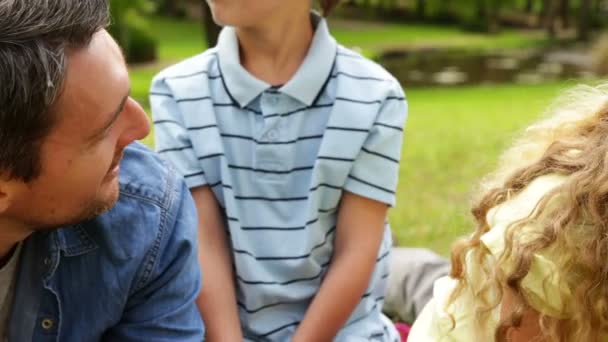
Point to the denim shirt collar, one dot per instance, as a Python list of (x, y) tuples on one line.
[(74, 240), (304, 86)]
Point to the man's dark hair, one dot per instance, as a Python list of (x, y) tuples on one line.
[(35, 38)]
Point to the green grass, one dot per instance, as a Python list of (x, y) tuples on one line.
[(453, 136), (178, 38)]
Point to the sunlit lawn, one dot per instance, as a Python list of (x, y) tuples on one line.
[(453, 135), (453, 138)]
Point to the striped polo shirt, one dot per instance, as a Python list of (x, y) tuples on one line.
[(278, 160)]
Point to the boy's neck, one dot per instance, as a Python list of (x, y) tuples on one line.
[(274, 50)]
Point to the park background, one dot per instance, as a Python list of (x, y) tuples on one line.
[(475, 73)]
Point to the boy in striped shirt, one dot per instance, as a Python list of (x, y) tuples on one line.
[(290, 144)]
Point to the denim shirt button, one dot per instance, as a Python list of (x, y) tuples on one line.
[(47, 324)]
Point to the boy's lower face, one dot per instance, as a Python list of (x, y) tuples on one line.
[(247, 13)]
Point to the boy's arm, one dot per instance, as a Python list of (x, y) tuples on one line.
[(368, 192), (359, 234), (217, 299)]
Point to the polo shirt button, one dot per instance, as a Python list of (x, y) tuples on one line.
[(272, 135), (273, 100)]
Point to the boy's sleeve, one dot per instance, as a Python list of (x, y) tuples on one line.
[(376, 169), (171, 136)]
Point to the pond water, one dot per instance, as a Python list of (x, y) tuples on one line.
[(450, 68)]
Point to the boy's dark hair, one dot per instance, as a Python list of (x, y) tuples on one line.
[(327, 6), (35, 37)]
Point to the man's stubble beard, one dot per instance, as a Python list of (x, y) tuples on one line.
[(99, 206), (91, 210)]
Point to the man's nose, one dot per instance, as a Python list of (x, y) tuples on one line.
[(137, 123)]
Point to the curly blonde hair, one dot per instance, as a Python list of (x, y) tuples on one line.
[(572, 141)]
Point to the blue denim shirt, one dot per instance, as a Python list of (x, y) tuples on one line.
[(130, 274)]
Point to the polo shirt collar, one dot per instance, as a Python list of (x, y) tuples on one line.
[(304, 86)]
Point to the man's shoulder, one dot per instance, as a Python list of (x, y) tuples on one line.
[(150, 202), (144, 175), (141, 249)]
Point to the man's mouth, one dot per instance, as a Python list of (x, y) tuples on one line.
[(115, 167)]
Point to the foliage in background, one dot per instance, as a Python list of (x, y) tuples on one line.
[(130, 28), (490, 15)]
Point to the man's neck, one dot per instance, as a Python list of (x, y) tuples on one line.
[(273, 52), (11, 233), (4, 260)]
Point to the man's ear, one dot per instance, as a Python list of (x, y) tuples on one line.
[(9, 189)]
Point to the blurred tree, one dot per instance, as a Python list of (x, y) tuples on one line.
[(564, 13), (421, 9), (584, 20), (548, 16), (169, 7), (130, 29), (494, 15), (528, 6), (487, 16), (211, 29), (445, 8), (597, 6)]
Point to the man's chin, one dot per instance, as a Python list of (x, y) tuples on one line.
[(104, 201), (101, 204)]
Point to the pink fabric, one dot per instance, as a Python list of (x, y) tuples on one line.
[(404, 330)]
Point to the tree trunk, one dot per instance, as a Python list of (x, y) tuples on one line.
[(564, 13), (494, 16), (584, 20), (211, 29), (549, 14), (481, 13), (597, 7), (528, 6), (171, 7), (421, 9)]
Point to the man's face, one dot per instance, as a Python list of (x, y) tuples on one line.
[(96, 120)]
